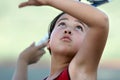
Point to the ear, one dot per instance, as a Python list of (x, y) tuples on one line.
[(48, 44)]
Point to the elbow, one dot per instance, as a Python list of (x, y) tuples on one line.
[(103, 25), (106, 21), (100, 22), (103, 22)]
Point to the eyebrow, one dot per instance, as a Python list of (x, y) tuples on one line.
[(75, 20), (62, 19), (80, 22)]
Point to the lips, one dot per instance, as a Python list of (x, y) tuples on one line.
[(66, 38)]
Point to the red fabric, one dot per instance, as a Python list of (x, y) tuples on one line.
[(64, 75)]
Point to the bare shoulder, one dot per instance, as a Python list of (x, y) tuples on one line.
[(81, 72)]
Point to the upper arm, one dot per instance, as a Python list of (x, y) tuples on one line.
[(93, 44), (89, 54)]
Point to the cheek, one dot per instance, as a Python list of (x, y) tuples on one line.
[(78, 41), (54, 38), (55, 32)]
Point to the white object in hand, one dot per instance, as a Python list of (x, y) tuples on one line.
[(43, 40)]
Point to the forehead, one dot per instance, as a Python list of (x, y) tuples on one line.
[(66, 17), (69, 17)]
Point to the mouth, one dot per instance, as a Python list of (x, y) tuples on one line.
[(66, 39)]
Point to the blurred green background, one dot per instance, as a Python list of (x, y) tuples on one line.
[(20, 27)]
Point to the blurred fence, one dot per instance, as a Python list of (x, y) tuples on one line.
[(40, 73)]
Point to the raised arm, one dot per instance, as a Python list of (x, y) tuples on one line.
[(80, 10), (29, 56)]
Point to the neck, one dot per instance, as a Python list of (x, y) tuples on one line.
[(58, 64)]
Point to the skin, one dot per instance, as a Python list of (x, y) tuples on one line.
[(29, 56), (81, 50), (68, 33)]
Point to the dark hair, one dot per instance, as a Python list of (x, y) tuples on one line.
[(52, 24)]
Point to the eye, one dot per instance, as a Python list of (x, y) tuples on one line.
[(79, 28), (61, 24)]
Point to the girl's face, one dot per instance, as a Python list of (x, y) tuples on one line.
[(67, 36)]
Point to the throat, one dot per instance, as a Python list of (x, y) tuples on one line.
[(58, 64)]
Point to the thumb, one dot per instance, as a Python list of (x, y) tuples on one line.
[(42, 45), (33, 44), (23, 4)]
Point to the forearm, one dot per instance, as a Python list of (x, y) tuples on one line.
[(21, 71), (84, 12), (29, 56)]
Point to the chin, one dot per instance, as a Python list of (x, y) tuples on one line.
[(64, 52)]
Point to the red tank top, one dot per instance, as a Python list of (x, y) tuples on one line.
[(63, 76)]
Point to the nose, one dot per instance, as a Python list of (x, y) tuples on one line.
[(67, 32)]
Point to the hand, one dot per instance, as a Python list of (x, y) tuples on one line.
[(32, 54), (33, 3)]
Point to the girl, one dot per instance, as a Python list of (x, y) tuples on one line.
[(76, 42)]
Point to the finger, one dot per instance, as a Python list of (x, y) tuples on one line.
[(40, 53), (34, 61), (37, 58), (33, 44), (42, 45), (23, 4)]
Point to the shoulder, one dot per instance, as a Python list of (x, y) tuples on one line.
[(83, 72), (64, 75)]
